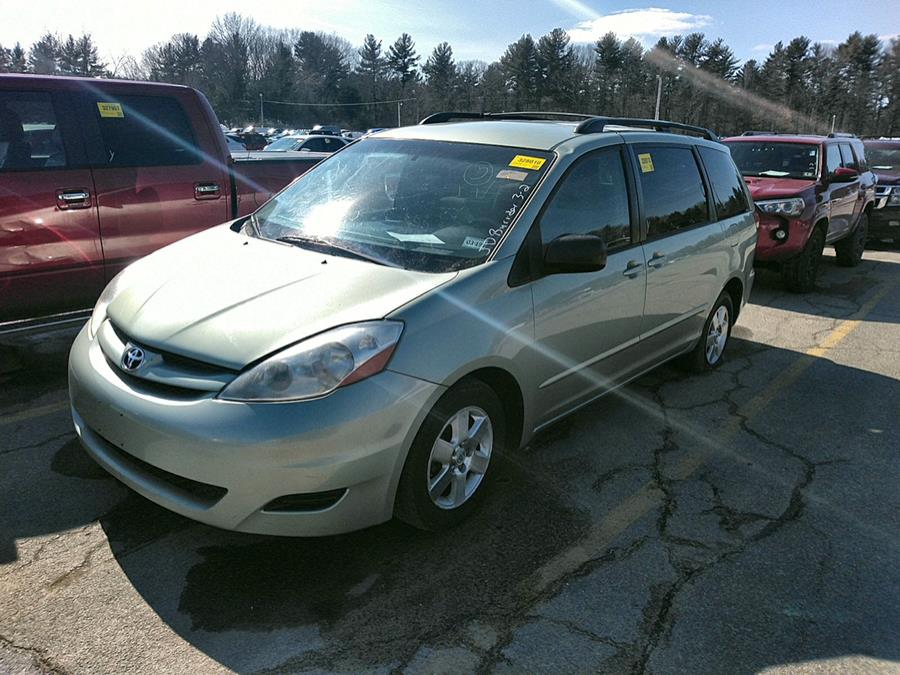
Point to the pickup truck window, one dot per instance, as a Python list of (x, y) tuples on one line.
[(729, 193), (146, 131), (29, 136), (425, 205), (672, 188)]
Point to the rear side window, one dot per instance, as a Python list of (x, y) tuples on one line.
[(832, 158), (727, 184), (30, 137), (145, 131), (673, 190), (592, 198), (847, 157)]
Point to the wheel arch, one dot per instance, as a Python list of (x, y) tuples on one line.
[(509, 391), (735, 290)]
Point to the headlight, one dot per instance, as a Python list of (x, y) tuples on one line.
[(894, 199), (319, 365), (792, 207), (106, 297)]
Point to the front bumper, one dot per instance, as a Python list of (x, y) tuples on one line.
[(884, 223), (221, 462), (770, 249)]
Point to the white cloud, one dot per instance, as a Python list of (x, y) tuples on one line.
[(764, 47), (651, 22), (889, 37)]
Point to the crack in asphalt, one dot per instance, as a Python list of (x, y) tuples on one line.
[(39, 656)]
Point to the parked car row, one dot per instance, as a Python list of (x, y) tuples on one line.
[(884, 158)]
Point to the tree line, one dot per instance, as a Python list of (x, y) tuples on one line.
[(801, 86)]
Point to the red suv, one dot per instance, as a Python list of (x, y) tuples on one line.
[(809, 191)]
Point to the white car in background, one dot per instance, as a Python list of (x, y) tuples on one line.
[(307, 143)]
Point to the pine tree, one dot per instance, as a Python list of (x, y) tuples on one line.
[(402, 60), (519, 65), (440, 72), (555, 63), (372, 64), (43, 58)]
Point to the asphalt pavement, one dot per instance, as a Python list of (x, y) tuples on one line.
[(742, 521)]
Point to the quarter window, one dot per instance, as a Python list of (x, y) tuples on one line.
[(832, 159), (145, 131), (592, 198), (30, 137), (847, 157), (729, 194), (673, 190)]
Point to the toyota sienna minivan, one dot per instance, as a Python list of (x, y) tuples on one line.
[(368, 342)]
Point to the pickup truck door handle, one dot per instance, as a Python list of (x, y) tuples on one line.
[(207, 191), (632, 269), (657, 260), (73, 199)]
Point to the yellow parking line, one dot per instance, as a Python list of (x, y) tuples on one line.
[(646, 498), (31, 413)]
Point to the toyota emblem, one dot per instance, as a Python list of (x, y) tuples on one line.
[(133, 358)]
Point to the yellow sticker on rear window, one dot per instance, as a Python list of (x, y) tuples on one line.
[(110, 109), (526, 162), (646, 162)]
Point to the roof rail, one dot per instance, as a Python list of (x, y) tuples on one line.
[(598, 124), (840, 135), (759, 133), (440, 117)]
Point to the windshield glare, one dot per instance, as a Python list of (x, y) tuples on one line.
[(883, 158), (776, 160), (425, 205)]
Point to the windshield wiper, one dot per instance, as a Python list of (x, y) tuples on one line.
[(330, 246)]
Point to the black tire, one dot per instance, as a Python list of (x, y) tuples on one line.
[(800, 272), (413, 504), (850, 249), (698, 360)]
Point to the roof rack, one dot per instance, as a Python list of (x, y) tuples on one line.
[(440, 117), (840, 135), (598, 124), (589, 124), (759, 133)]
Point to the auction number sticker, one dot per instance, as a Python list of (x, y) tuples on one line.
[(526, 162), (110, 109), (646, 162)]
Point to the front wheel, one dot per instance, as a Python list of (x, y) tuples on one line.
[(850, 249), (707, 355), (452, 459), (800, 272)]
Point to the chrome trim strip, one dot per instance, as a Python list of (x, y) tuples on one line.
[(45, 322)]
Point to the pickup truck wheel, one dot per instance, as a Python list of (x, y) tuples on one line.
[(453, 458), (850, 249), (707, 354), (799, 273)]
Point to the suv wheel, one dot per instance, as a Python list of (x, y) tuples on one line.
[(452, 458), (707, 355), (799, 273), (850, 249)]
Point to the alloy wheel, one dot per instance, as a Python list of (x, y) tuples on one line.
[(459, 457), (717, 335)]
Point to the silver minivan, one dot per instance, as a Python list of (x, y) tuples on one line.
[(368, 342)]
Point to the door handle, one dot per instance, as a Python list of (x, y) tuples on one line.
[(657, 260), (73, 199), (632, 269), (207, 190)]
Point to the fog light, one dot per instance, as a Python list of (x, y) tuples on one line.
[(780, 235)]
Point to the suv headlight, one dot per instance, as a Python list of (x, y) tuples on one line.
[(792, 207), (318, 365), (894, 198), (106, 297)]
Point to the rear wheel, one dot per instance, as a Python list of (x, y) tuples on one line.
[(707, 355), (453, 458), (850, 249), (800, 272)]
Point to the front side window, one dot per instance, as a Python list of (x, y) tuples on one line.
[(424, 205), (729, 194), (592, 198), (145, 131), (30, 137), (776, 159), (672, 188)]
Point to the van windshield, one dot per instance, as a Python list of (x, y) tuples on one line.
[(775, 160), (430, 206)]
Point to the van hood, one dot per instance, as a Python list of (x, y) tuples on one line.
[(764, 187), (227, 299)]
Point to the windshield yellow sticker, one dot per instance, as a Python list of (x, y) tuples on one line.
[(646, 162), (526, 162), (110, 109)]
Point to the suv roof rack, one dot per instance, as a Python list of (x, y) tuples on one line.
[(834, 134), (437, 118), (599, 124), (590, 124)]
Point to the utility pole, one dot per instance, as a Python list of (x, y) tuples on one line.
[(833, 120), (658, 95), (261, 118), (399, 103)]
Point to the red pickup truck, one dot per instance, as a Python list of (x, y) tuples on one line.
[(95, 173)]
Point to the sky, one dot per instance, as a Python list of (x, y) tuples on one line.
[(477, 29)]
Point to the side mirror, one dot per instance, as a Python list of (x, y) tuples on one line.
[(570, 253), (844, 174)]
